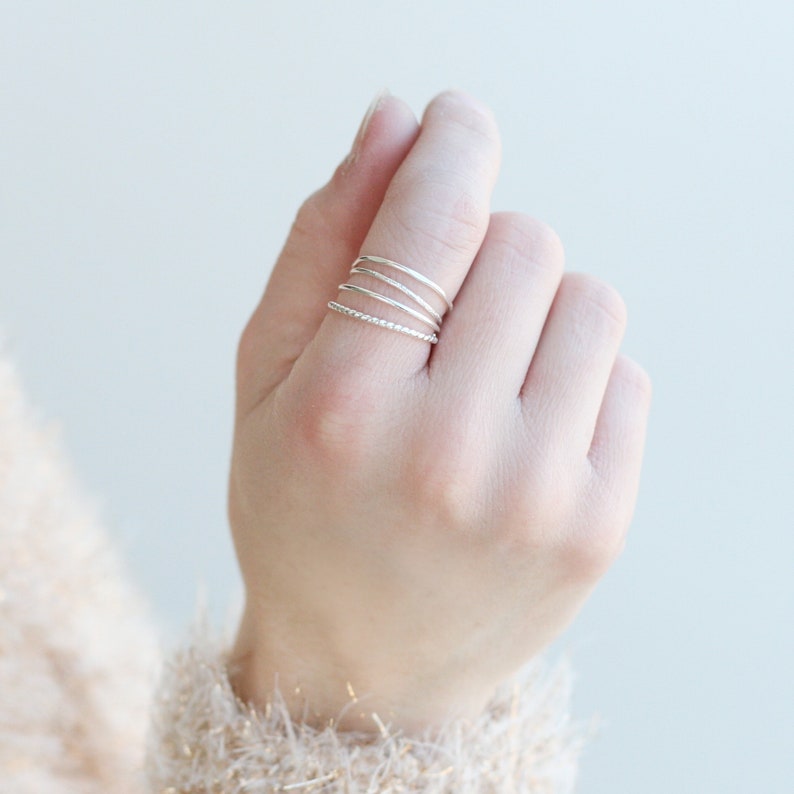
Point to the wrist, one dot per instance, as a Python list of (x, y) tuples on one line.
[(321, 686)]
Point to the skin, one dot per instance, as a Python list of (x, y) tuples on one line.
[(415, 522)]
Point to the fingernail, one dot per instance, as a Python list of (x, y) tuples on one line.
[(362, 130)]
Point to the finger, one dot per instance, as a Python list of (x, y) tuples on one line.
[(326, 235), (568, 375), (619, 438), (500, 310), (433, 220)]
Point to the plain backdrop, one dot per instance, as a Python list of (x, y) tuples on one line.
[(152, 157)]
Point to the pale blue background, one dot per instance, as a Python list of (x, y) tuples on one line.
[(152, 156)]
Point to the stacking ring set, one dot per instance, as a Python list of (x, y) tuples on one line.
[(369, 270)]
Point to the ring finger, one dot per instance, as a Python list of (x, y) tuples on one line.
[(565, 385)]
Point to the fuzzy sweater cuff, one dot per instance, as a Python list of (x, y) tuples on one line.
[(206, 740)]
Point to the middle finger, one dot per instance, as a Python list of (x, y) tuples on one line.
[(433, 219)]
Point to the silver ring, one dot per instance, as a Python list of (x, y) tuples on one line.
[(430, 318), (337, 307), (412, 273), (397, 305), (410, 293)]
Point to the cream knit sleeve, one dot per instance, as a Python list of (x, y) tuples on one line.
[(205, 740), (77, 652)]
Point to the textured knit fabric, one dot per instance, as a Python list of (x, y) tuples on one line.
[(78, 662), (205, 740), (77, 652)]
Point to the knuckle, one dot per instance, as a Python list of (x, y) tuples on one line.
[(451, 222), (633, 377), (445, 490), (332, 417), (550, 496), (587, 554), (524, 240), (546, 488), (581, 532), (463, 221), (248, 348), (324, 216), (596, 301), (311, 219), (446, 486)]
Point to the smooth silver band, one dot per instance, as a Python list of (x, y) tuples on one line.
[(432, 319), (397, 305), (409, 272), (410, 293)]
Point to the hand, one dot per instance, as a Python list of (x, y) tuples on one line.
[(414, 522)]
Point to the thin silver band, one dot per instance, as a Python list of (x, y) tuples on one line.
[(432, 319), (397, 305), (409, 292), (368, 318), (408, 271)]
